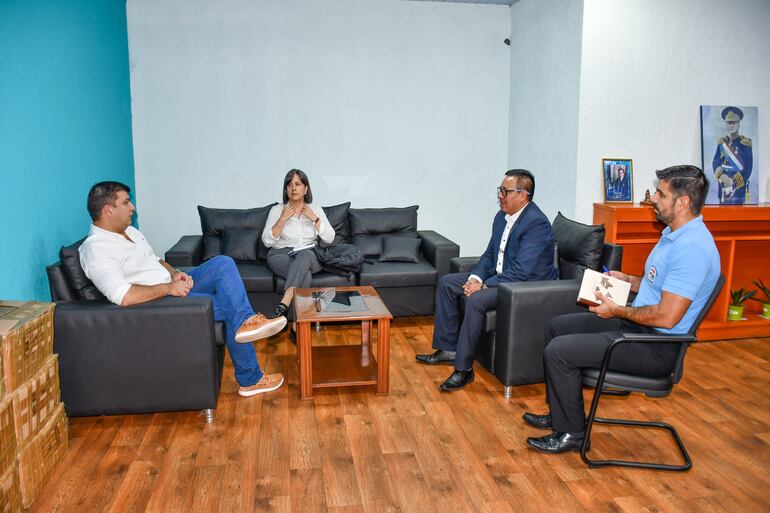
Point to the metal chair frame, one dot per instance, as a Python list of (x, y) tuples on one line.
[(601, 382)]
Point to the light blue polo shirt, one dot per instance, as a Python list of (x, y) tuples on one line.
[(684, 262)]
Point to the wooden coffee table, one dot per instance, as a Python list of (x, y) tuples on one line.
[(348, 365)]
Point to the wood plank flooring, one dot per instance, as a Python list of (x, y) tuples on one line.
[(417, 450)]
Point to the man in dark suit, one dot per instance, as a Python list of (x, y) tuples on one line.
[(520, 249)]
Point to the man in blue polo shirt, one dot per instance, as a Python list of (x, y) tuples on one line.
[(679, 275)]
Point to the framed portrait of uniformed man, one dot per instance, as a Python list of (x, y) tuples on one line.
[(729, 153), (618, 180)]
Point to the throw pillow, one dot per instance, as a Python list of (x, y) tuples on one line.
[(580, 246), (69, 257), (338, 218), (214, 221), (400, 249), (240, 244), (367, 221), (368, 225)]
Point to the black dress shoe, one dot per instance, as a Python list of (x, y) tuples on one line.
[(457, 380), (437, 358), (538, 421), (556, 442)]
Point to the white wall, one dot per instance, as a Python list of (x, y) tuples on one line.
[(385, 103), (545, 88), (647, 66)]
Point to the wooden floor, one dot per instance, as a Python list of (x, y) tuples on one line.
[(418, 450)]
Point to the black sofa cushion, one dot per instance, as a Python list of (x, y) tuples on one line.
[(400, 249), (322, 279), (338, 218), (240, 244), (367, 226), (73, 271), (580, 246), (398, 274), (215, 220), (256, 277)]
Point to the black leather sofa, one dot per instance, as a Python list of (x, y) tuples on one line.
[(513, 339), (402, 263), (164, 355)]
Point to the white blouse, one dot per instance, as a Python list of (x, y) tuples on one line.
[(298, 231)]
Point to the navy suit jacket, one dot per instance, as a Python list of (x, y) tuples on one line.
[(528, 253)]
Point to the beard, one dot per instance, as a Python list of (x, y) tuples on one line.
[(665, 219)]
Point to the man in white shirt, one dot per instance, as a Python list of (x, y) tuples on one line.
[(520, 249), (123, 266)]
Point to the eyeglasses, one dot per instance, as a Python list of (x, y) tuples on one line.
[(504, 191)]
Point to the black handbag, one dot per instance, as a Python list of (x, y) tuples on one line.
[(341, 259)]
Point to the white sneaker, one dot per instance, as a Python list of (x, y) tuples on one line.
[(268, 383), (258, 326)]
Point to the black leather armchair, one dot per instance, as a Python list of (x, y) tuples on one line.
[(164, 355), (513, 339)]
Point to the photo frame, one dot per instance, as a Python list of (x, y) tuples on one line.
[(729, 136), (618, 175)]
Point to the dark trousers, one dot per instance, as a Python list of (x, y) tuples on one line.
[(579, 340), (448, 333), (297, 270)]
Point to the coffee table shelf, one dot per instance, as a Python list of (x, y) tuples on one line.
[(343, 365), (339, 366)]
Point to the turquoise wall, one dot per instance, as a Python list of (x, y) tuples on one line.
[(65, 123)]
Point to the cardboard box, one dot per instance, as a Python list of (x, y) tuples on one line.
[(35, 402), (7, 434), (10, 497), (26, 335), (39, 459)]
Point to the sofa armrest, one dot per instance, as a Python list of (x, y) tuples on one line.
[(156, 356), (188, 251), (523, 309), (438, 250), (462, 264)]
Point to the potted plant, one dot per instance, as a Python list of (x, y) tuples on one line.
[(737, 298), (765, 302)]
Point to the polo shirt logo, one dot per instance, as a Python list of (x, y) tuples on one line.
[(652, 273)]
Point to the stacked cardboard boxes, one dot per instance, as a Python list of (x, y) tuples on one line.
[(33, 426)]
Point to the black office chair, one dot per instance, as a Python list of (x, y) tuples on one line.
[(601, 379)]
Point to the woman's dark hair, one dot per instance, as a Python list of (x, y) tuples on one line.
[(104, 193), (302, 178)]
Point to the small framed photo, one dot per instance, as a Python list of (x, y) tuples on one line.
[(618, 180)]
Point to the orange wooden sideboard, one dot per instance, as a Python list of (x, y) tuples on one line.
[(742, 235)]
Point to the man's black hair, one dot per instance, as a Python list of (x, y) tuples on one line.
[(104, 193), (526, 180), (687, 181)]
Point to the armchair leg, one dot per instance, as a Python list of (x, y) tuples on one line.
[(208, 414), (507, 392), (628, 423)]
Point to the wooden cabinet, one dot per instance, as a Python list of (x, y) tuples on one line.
[(742, 235)]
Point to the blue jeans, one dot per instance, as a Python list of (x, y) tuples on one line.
[(219, 280)]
